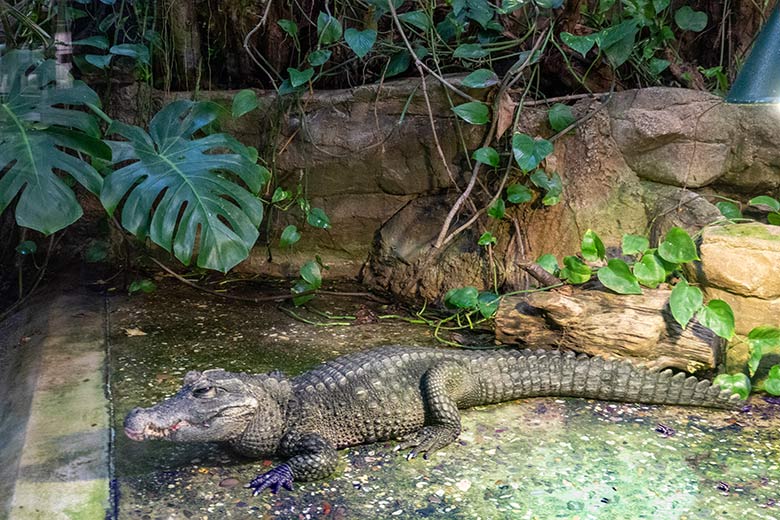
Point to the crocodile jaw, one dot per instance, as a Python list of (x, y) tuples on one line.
[(152, 431)]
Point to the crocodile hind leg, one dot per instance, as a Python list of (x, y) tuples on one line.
[(445, 386)]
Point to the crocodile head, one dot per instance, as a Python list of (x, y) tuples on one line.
[(214, 405)]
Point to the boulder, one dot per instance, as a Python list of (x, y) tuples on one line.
[(677, 137), (404, 262), (739, 265)]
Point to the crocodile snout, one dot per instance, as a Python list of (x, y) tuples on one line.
[(134, 424)]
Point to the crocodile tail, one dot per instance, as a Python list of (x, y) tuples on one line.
[(545, 373)]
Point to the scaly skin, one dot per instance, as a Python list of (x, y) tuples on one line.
[(391, 392)]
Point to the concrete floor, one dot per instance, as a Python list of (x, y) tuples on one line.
[(54, 419)]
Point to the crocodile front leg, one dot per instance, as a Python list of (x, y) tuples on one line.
[(311, 458), (445, 387)]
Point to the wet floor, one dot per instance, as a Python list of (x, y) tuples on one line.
[(534, 459)]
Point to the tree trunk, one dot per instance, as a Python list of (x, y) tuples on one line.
[(638, 327)]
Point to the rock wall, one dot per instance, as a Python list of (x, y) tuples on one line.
[(645, 161)]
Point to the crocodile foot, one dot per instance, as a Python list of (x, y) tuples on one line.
[(427, 440), (278, 476)]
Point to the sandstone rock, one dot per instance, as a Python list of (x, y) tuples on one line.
[(742, 259), (739, 265)]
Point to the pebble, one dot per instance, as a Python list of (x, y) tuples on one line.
[(229, 482), (464, 485)]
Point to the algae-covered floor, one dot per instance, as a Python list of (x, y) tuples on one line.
[(536, 459)]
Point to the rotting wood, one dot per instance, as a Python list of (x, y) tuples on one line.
[(638, 327)]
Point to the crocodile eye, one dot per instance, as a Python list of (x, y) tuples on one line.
[(204, 392)]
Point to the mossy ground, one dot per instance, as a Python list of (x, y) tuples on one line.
[(535, 459)]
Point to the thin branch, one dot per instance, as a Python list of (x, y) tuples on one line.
[(559, 99), (261, 299), (250, 52), (442, 239)]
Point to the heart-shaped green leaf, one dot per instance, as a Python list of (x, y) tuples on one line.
[(634, 244), (728, 209), (762, 340), (318, 218), (461, 298), (417, 19), (497, 210), (581, 44), (718, 317), (472, 51), (552, 185), (300, 77), (765, 200), (689, 20), (289, 27), (518, 193), (772, 382), (315, 59), (101, 61), (290, 235), (560, 116), (473, 112), (486, 155), (398, 64), (99, 42), (529, 152), (487, 304), (132, 50), (280, 194), (361, 42), (482, 78), (736, 384), (678, 247), (684, 302), (592, 247), (549, 263), (311, 274), (244, 102), (650, 271), (617, 276), (328, 29), (618, 41), (575, 271), (486, 239), (145, 285)]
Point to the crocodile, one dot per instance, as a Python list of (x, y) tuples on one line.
[(394, 392)]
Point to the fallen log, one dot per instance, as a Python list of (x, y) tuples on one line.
[(637, 327)]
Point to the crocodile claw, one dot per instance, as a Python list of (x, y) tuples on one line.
[(280, 476), (427, 440)]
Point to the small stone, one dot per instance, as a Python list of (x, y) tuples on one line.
[(464, 485), (228, 482)]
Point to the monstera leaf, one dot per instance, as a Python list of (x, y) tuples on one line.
[(181, 191), (35, 131)]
